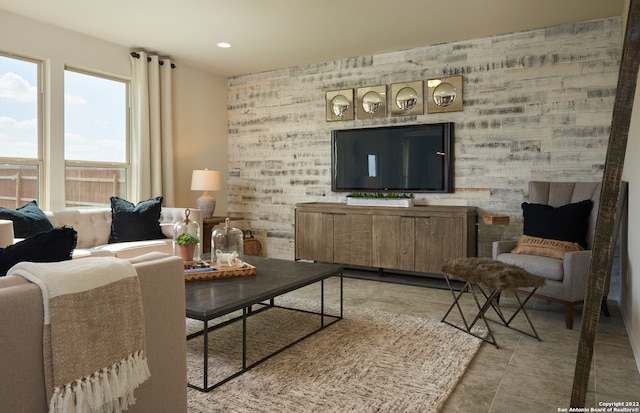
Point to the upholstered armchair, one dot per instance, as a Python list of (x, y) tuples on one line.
[(566, 273)]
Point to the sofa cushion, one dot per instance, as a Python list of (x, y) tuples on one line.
[(547, 267), (133, 248), (50, 246), (566, 223), (544, 247), (28, 220), (131, 222)]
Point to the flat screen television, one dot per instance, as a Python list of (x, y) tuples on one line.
[(411, 158)]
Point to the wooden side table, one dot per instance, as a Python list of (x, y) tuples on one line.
[(491, 228), (207, 228)]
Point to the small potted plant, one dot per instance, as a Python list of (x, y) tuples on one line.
[(187, 245)]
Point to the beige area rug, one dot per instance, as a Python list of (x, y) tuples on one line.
[(370, 361)]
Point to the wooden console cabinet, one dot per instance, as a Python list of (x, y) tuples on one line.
[(416, 239)]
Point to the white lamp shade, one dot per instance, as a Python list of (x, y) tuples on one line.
[(205, 180)]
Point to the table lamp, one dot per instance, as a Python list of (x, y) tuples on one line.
[(205, 180)]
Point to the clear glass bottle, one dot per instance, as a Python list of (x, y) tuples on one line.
[(227, 240), (191, 227)]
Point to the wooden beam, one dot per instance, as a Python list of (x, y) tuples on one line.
[(609, 199)]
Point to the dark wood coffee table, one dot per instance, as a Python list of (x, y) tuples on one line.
[(210, 299)]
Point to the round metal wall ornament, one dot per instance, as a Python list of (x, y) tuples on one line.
[(339, 105), (407, 98), (372, 102), (444, 94)]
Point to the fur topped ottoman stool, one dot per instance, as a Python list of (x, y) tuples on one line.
[(486, 279)]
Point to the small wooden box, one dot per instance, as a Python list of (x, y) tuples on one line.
[(495, 219)]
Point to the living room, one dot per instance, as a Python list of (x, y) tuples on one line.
[(267, 132)]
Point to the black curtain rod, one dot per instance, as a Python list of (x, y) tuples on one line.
[(137, 56)]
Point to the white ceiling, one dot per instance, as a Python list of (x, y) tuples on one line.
[(273, 34)]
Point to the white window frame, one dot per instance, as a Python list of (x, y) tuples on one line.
[(39, 160)]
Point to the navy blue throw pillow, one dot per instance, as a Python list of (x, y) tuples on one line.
[(131, 222), (50, 246), (28, 220), (566, 223)]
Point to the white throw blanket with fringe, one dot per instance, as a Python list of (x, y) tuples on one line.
[(93, 341)]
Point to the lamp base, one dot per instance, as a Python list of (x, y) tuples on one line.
[(207, 204)]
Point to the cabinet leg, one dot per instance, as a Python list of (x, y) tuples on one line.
[(381, 272)]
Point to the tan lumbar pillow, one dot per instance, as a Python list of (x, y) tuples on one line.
[(544, 247)]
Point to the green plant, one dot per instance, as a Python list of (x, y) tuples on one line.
[(186, 239), (389, 195)]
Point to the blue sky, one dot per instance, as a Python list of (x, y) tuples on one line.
[(95, 114)]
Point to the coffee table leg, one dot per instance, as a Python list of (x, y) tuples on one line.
[(341, 292), (322, 304), (205, 342), (244, 338)]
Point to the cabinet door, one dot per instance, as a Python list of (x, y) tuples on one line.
[(438, 240), (352, 239), (393, 242), (314, 233)]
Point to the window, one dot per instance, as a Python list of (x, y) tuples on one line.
[(95, 142), (20, 131), (96, 138)]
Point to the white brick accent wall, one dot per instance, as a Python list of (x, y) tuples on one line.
[(537, 105)]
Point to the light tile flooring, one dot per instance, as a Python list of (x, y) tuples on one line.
[(523, 375)]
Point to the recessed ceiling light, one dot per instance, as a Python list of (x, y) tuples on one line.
[(224, 45)]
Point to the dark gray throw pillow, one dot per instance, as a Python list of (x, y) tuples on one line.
[(28, 220), (131, 222), (566, 223), (50, 246)]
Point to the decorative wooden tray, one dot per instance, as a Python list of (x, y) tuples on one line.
[(221, 272)]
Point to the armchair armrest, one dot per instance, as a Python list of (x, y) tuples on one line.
[(576, 271), (502, 247), (167, 229), (6, 233)]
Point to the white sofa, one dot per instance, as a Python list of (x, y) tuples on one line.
[(93, 226)]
